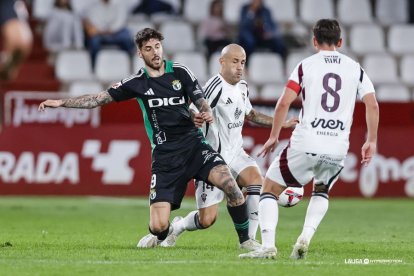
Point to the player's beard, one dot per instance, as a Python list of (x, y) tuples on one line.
[(151, 63)]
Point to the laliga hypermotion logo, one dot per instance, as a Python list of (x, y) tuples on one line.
[(114, 163)]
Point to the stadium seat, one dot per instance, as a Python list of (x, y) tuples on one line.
[(161, 18), (214, 63), (266, 68), (135, 26), (401, 39), (196, 62), (42, 8), (282, 11), (78, 88), (354, 11), (80, 6), (391, 12), (407, 69), (271, 92), (367, 39), (312, 10), (381, 68), (112, 65), (296, 29), (127, 4), (179, 37), (196, 11), (393, 93), (293, 59), (232, 10), (73, 65)]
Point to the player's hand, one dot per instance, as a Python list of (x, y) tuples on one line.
[(197, 119), (50, 103), (291, 122), (269, 146), (207, 117), (367, 152)]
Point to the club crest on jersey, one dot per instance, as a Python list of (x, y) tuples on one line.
[(176, 84), (237, 113), (204, 197)]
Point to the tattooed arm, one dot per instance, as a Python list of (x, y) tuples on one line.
[(205, 110), (266, 121), (259, 118), (85, 101)]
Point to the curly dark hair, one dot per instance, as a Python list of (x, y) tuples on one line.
[(327, 31), (146, 34)]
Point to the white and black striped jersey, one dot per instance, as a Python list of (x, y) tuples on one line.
[(230, 104), (329, 83)]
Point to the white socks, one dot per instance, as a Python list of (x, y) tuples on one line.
[(188, 223), (268, 217), (252, 201), (317, 208)]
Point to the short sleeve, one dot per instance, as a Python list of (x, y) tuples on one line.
[(365, 85), (295, 79), (124, 90), (245, 94), (248, 105)]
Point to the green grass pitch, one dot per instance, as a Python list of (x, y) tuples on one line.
[(97, 236)]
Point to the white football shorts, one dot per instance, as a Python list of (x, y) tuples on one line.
[(294, 168), (208, 195)]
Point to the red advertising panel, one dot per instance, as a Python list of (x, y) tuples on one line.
[(116, 159), (112, 160)]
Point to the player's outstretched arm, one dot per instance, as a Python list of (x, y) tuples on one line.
[(85, 101), (266, 121), (281, 110), (259, 118), (372, 118), (205, 110)]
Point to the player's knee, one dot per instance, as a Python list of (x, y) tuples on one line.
[(272, 187)]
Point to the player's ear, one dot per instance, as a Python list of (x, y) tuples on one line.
[(221, 60), (339, 44), (139, 53)]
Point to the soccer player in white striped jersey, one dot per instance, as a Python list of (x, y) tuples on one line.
[(228, 96), (329, 83)]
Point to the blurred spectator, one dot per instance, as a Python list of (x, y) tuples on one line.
[(150, 7), (105, 24), (258, 30), (16, 37), (411, 11), (63, 28), (213, 30)]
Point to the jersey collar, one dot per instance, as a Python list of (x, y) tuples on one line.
[(168, 65)]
